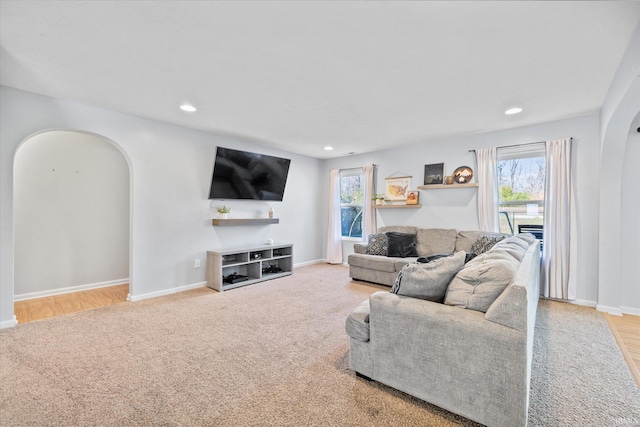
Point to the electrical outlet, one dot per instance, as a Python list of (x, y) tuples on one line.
[(196, 263)]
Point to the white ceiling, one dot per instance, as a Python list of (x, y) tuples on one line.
[(360, 76)]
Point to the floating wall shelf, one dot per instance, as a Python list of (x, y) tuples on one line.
[(397, 206), (244, 221), (447, 187)]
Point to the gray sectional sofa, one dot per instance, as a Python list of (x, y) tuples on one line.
[(469, 353), (429, 241)]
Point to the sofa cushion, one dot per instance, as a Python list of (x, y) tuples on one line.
[(377, 244), (357, 324), (484, 243), (466, 239), (431, 241), (527, 237), (401, 262), (407, 229), (373, 262), (401, 244), (514, 246), (428, 281), (481, 281)]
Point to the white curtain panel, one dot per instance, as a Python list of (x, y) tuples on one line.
[(557, 224), (488, 190), (369, 218), (334, 238)]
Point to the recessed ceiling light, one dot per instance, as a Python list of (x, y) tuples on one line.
[(514, 110), (188, 108), (328, 148)]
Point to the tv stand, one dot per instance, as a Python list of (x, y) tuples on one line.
[(235, 267)]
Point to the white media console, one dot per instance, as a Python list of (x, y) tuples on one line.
[(232, 268)]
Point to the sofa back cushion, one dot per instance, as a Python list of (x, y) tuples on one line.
[(406, 229), (428, 281), (430, 241), (481, 281), (514, 246)]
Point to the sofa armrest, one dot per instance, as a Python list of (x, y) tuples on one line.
[(360, 248)]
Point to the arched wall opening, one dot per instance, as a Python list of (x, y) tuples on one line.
[(72, 204)]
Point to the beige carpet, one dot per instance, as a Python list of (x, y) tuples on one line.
[(271, 354)]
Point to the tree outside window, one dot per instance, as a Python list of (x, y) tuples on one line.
[(352, 191), (521, 183)]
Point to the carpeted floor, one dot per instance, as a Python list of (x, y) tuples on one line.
[(273, 354)]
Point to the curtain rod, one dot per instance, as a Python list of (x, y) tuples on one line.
[(518, 145)]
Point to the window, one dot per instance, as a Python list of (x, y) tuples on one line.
[(352, 193), (521, 182)]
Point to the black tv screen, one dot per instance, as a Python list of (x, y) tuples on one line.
[(243, 175)]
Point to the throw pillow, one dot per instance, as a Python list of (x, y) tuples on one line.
[(481, 281), (428, 281), (484, 243), (401, 245), (377, 244)]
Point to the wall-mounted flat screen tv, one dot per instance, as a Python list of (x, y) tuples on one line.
[(243, 175)]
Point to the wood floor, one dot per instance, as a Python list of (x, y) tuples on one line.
[(626, 329), (57, 305)]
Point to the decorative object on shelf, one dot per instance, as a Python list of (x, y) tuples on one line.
[(412, 197), (270, 212), (397, 187), (463, 175), (378, 198), (434, 174), (223, 211), (448, 180)]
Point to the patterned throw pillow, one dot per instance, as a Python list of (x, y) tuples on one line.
[(484, 243), (377, 244)]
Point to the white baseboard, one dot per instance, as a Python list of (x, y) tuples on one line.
[(68, 290), (583, 302), (9, 323), (616, 311), (303, 264), (630, 310), (164, 292)]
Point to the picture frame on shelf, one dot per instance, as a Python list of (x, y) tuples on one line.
[(396, 188), (434, 174), (413, 197)]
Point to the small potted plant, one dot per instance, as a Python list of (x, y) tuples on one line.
[(223, 211), (378, 198)]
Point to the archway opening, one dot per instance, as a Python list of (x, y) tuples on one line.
[(71, 224)]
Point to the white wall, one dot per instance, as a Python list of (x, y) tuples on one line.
[(71, 210), (630, 251), (621, 106), (171, 174), (457, 208)]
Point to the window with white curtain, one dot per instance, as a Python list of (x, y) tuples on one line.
[(352, 193), (521, 184)]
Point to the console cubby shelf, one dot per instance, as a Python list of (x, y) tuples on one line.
[(447, 187), (244, 221), (257, 263)]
